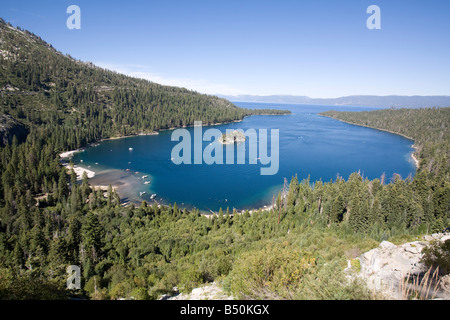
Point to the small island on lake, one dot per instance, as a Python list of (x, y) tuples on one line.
[(233, 137)]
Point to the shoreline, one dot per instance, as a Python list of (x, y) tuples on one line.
[(69, 154), (154, 133), (243, 211), (413, 156), (366, 126), (79, 170), (120, 181)]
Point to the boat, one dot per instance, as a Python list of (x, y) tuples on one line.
[(142, 193), (147, 182), (144, 177), (131, 149), (153, 196)]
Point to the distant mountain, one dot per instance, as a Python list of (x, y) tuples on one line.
[(366, 101)]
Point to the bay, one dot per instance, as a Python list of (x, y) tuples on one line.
[(310, 146)]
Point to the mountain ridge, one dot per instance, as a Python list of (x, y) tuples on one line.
[(396, 101), (79, 103)]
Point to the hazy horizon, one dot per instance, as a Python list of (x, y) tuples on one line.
[(320, 49)]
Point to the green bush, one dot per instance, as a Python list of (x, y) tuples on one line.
[(24, 287), (270, 273), (437, 255), (190, 278), (286, 273), (140, 294)]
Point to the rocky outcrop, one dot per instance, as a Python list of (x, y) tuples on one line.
[(10, 127), (233, 137), (208, 292), (385, 268)]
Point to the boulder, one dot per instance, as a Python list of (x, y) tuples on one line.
[(387, 245), (385, 267)]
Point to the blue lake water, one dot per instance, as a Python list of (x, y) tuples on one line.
[(310, 145)]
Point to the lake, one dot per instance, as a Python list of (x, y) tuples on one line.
[(309, 145)]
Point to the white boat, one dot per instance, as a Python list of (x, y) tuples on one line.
[(147, 182), (153, 196), (144, 177), (142, 193), (131, 149)]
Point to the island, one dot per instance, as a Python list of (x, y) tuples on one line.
[(233, 137)]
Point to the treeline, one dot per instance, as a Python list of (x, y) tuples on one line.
[(145, 252)]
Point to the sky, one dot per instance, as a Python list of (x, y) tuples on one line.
[(315, 48)]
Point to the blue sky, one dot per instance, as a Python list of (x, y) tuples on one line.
[(319, 48)]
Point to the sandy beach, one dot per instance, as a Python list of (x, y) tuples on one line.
[(80, 171), (126, 184), (69, 154), (122, 182), (65, 156), (413, 156)]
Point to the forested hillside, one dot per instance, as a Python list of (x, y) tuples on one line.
[(73, 103), (49, 221)]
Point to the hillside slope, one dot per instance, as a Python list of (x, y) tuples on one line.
[(77, 102)]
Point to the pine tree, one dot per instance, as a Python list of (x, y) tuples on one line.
[(85, 188), (93, 235), (63, 189), (74, 239), (337, 209), (293, 191)]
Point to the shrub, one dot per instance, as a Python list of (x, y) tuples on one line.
[(437, 255), (24, 287), (270, 273), (286, 273)]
